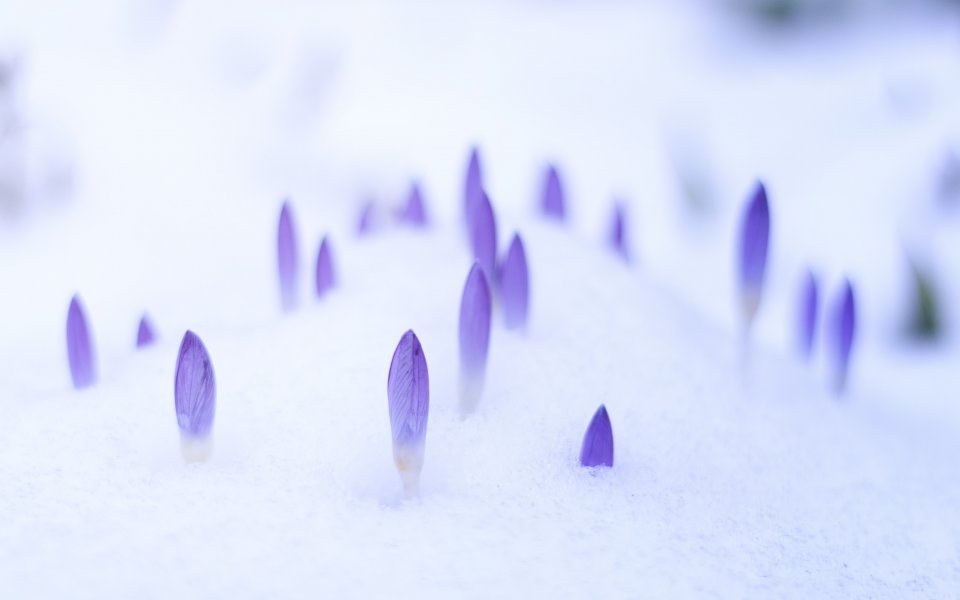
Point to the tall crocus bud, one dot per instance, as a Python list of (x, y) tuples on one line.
[(145, 334), (408, 400), (843, 329), (483, 236), (514, 285), (414, 212), (553, 204), (287, 259), (474, 338), (807, 318), (473, 184), (80, 353), (618, 234), (754, 234), (195, 398), (326, 277), (597, 448)]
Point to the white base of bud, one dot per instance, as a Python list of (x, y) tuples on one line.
[(471, 388), (195, 449), (409, 461)]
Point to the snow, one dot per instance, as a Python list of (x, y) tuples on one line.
[(187, 126)]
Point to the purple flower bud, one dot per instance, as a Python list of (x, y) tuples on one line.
[(597, 449), (514, 285), (365, 224), (195, 396), (145, 334), (326, 277), (408, 401), (473, 186), (618, 236), (474, 338), (808, 315), (80, 353), (287, 259), (843, 329), (414, 212), (483, 236), (754, 234), (553, 204)]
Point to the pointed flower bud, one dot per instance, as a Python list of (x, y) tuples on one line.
[(367, 216), (754, 235), (473, 184), (408, 401), (597, 449), (808, 315), (843, 330), (145, 334), (553, 203), (80, 352), (483, 236), (514, 285), (326, 277), (414, 212), (618, 234), (475, 310), (287, 259), (195, 397)]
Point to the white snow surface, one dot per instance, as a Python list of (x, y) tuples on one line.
[(188, 123)]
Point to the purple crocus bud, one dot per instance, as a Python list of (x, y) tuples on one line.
[(474, 338), (408, 400), (754, 234), (414, 213), (808, 315), (287, 259), (618, 234), (553, 204), (483, 236), (597, 449), (195, 397), (514, 285), (80, 353), (365, 224), (326, 277), (473, 186), (145, 334), (843, 329)]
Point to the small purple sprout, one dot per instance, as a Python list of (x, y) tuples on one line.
[(287, 263), (145, 335), (808, 315), (754, 235), (80, 353), (367, 215), (195, 397), (483, 236), (408, 401), (597, 449), (514, 285), (618, 234), (844, 327), (326, 276), (553, 204), (414, 212), (475, 310), (473, 186)]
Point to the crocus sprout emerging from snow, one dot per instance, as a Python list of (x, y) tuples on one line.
[(414, 212), (287, 259), (195, 397), (618, 234), (474, 338), (80, 353), (326, 277), (514, 285), (365, 224), (807, 320), (408, 400), (473, 185), (145, 334), (483, 236), (843, 329), (553, 204), (597, 449), (754, 234)]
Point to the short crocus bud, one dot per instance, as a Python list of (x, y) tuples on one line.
[(754, 235), (597, 448), (473, 185), (843, 328), (326, 276), (483, 236), (80, 352), (408, 401), (618, 234), (553, 204), (367, 215), (195, 398), (145, 334), (514, 285), (414, 212), (475, 310), (807, 318), (287, 263)]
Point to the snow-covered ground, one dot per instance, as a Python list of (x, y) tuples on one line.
[(186, 124)]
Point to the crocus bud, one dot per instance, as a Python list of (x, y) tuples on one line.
[(553, 204), (843, 328), (195, 398), (483, 236), (597, 449), (367, 215), (80, 352), (474, 338), (473, 185), (326, 277), (287, 259), (618, 234), (414, 212), (145, 334), (514, 285), (408, 401), (807, 317), (754, 234)]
